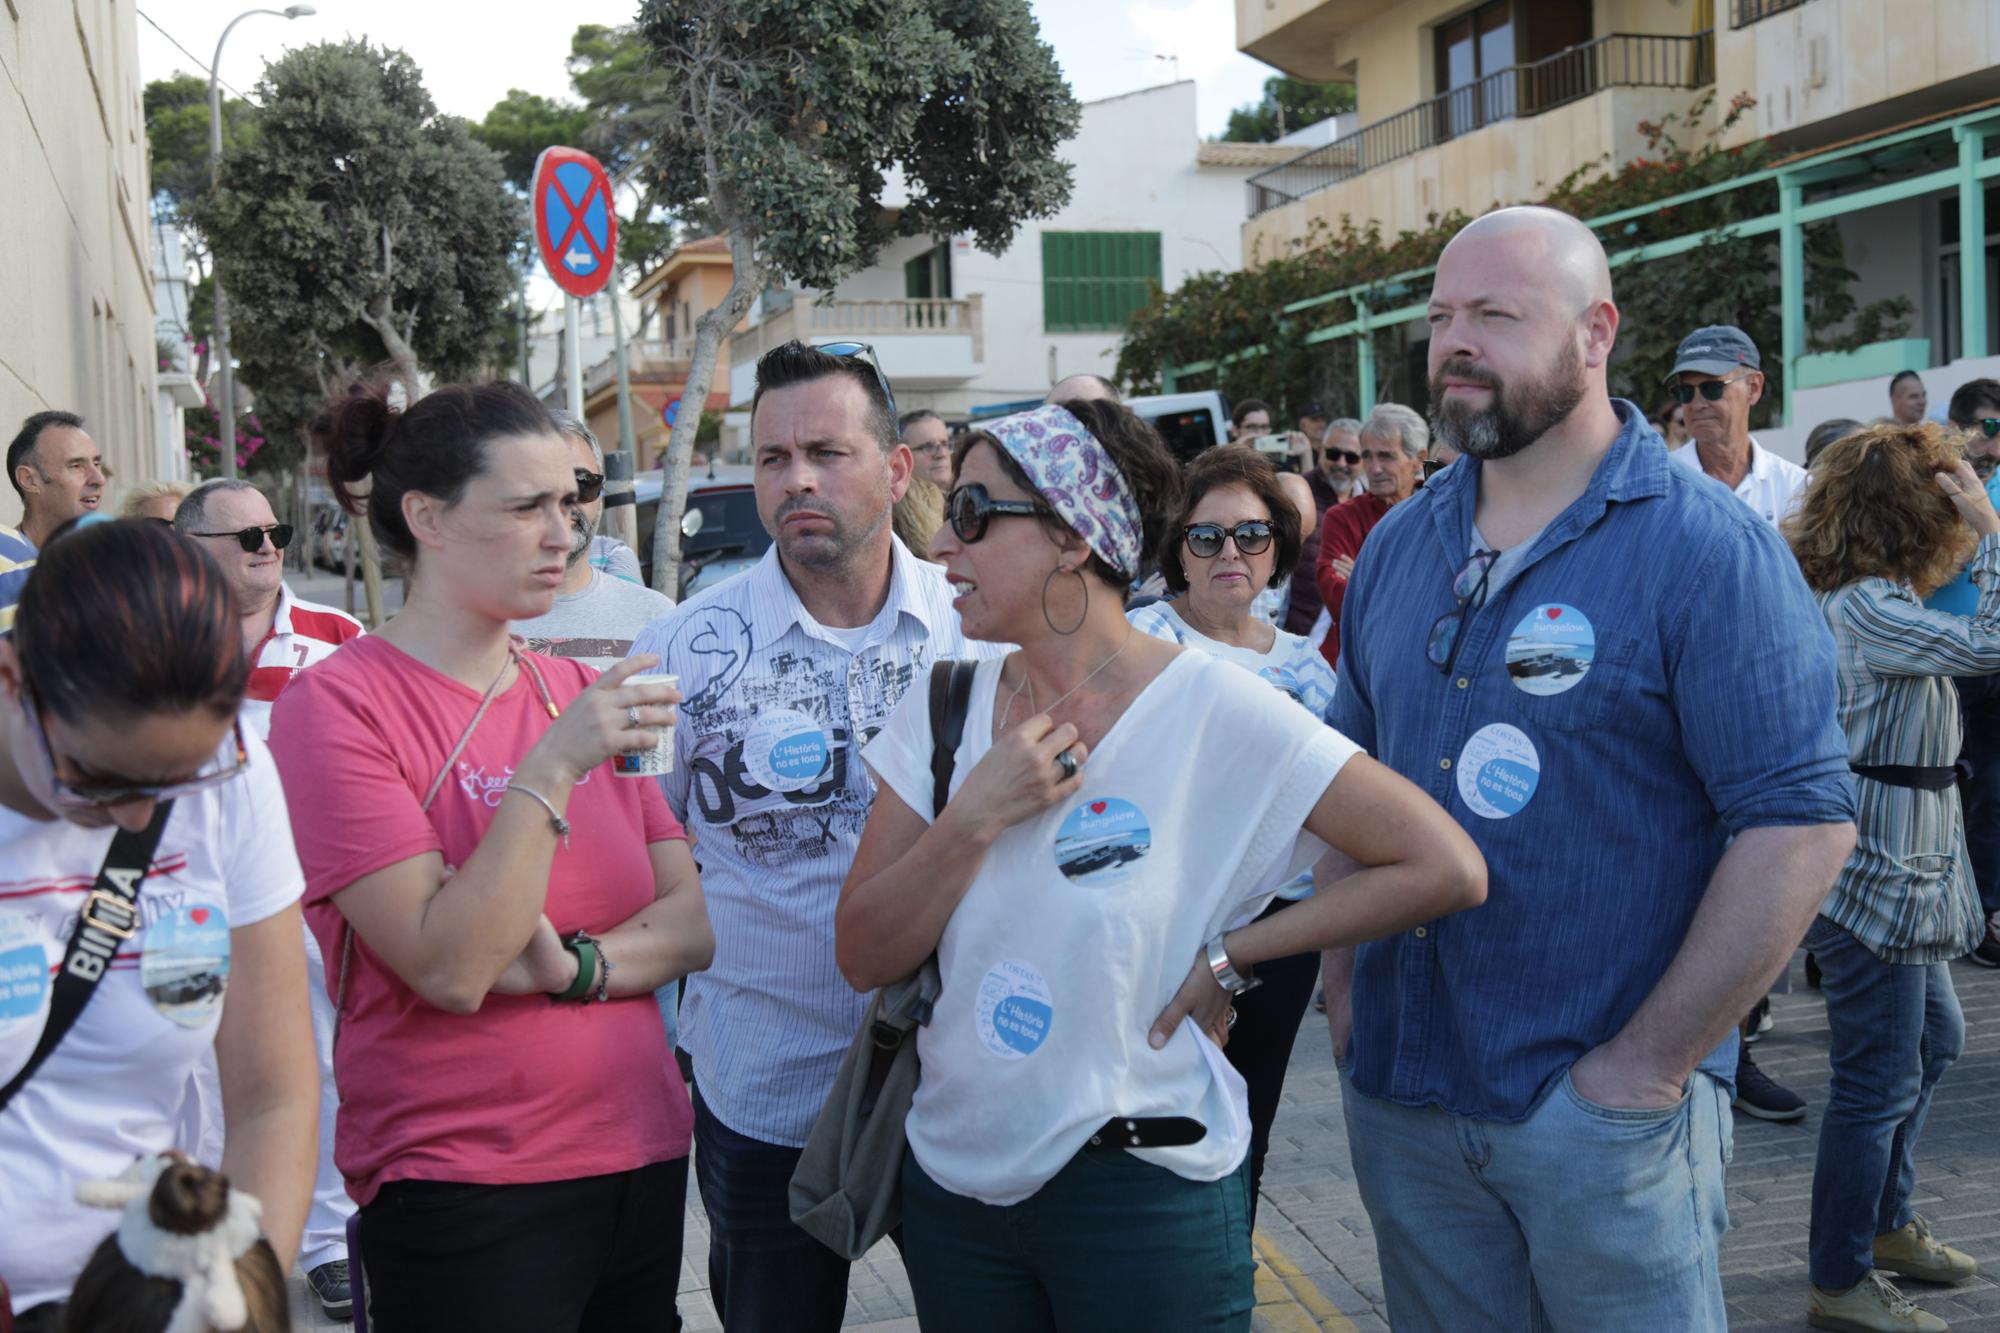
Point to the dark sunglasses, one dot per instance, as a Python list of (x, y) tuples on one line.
[(1991, 425), (90, 795), (589, 485), (968, 508), (865, 354), (1205, 539), (1432, 467), (1347, 456), (1469, 587), (252, 539), (1709, 389)]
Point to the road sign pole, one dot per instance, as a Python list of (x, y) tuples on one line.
[(573, 354)]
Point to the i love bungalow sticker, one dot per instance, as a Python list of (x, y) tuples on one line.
[(1551, 649)]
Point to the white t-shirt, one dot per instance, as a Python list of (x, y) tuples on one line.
[(1082, 923), (1772, 487), (112, 1090)]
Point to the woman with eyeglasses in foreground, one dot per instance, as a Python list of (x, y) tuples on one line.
[(1236, 534), (149, 874), (1118, 808), (495, 905), (1888, 516)]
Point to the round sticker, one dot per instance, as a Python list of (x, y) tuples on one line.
[(185, 967), (1014, 1010), (24, 976), (1498, 771), (1550, 649), (1099, 838), (786, 750)]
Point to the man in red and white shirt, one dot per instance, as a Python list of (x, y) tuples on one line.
[(233, 522)]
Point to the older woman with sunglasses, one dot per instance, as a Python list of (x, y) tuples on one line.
[(1889, 514), (1119, 809), (1236, 534), (149, 875)]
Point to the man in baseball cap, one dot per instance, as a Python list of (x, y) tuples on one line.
[(1719, 376)]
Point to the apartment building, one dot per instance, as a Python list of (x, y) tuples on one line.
[(75, 231)]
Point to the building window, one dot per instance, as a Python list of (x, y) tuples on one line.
[(928, 276), (1743, 13), (1094, 280)]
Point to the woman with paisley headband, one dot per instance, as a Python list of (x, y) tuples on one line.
[(1120, 812)]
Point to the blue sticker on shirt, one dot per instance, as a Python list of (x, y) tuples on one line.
[(1100, 838), (185, 966), (786, 751), (24, 983), (1498, 771), (1551, 649), (1014, 1010)]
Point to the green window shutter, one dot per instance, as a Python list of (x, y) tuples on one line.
[(1094, 280), (917, 278)]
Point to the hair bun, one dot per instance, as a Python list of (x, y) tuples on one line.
[(189, 1199), (354, 433)]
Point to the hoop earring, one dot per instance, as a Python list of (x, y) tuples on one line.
[(1083, 582)]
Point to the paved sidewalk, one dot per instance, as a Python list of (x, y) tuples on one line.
[(1317, 1269)]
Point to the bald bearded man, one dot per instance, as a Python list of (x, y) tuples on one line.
[(1569, 642)]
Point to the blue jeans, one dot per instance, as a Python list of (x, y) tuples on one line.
[(1979, 698), (1578, 1217), (764, 1273), (1896, 1028), (1110, 1245)]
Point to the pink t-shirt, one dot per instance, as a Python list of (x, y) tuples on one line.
[(526, 1089)]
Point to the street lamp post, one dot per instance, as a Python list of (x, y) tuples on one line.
[(226, 408)]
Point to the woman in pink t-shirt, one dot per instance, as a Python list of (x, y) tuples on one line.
[(495, 906)]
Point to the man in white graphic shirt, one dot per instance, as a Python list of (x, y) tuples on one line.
[(283, 635), (788, 670)]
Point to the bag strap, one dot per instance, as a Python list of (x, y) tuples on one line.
[(109, 917), (951, 701)]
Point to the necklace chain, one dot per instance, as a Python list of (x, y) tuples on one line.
[(1029, 685)]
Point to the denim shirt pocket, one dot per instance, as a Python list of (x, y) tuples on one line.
[(1590, 702)]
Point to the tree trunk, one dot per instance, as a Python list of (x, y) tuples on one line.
[(747, 280), (371, 570)]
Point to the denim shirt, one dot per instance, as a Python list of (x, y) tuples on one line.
[(1654, 680)]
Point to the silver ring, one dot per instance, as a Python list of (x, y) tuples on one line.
[(632, 716), (1067, 763)]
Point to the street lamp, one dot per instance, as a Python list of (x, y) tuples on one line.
[(226, 409)]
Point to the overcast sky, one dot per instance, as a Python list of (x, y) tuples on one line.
[(473, 51)]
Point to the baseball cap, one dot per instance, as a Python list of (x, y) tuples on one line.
[(1716, 350)]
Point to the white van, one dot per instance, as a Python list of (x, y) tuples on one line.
[(1188, 422)]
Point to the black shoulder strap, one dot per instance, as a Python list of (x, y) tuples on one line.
[(109, 917), (951, 700)]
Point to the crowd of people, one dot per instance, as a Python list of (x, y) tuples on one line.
[(1536, 753)]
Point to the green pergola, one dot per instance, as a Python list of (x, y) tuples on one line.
[(1386, 301)]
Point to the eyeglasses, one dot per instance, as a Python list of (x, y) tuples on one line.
[(865, 354), (1432, 467), (1205, 539), (969, 507), (1469, 587), (589, 485), (1347, 456), (1991, 425), (94, 795), (936, 449), (252, 539), (1709, 389)]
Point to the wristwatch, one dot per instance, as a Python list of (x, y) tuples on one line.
[(1226, 975)]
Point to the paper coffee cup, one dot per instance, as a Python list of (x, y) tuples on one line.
[(659, 759)]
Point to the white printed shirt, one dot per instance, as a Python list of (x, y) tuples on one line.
[(1772, 487), (302, 633), (769, 782)]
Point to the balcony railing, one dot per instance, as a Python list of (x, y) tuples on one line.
[(1743, 13), (642, 356), (809, 320), (1617, 60)]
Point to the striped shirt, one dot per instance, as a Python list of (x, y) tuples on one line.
[(17, 558), (1907, 892), (302, 633), (769, 782)]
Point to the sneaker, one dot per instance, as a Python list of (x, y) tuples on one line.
[(1759, 1095), (1988, 952), (1759, 1022), (330, 1288), (1872, 1305), (1915, 1252)]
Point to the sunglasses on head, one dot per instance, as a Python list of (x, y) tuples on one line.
[(1709, 389), (1252, 537), (589, 485), (969, 508), (252, 539), (865, 354)]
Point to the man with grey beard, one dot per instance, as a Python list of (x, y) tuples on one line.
[(1566, 640), (595, 616)]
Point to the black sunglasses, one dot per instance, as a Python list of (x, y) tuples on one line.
[(969, 507), (252, 539), (1432, 467), (1347, 456), (589, 485), (1709, 389), (865, 354), (1252, 537), (1469, 587)]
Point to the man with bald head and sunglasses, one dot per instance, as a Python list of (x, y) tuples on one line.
[(1718, 375)]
